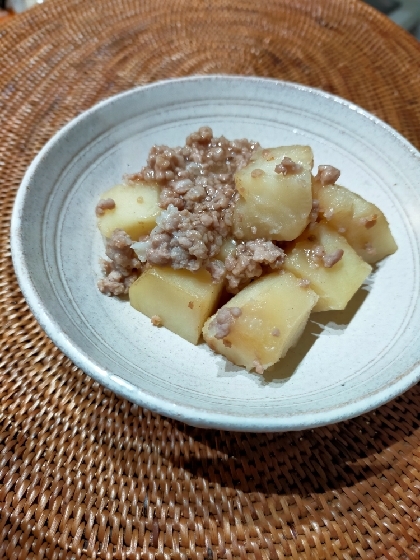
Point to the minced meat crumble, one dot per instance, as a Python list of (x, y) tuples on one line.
[(197, 198), (249, 261), (103, 205), (123, 266), (224, 320), (288, 167)]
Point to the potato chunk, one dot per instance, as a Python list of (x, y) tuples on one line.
[(261, 322), (135, 212), (361, 222), (276, 196), (180, 300), (325, 259)]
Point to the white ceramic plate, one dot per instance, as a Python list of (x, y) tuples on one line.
[(346, 363)]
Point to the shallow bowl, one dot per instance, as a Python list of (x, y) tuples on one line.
[(345, 364)]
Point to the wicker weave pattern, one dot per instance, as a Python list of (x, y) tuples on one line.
[(84, 474)]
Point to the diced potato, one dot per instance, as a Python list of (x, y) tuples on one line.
[(273, 205), (135, 212), (182, 300), (274, 312), (336, 285), (361, 222)]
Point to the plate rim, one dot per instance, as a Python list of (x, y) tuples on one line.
[(133, 393)]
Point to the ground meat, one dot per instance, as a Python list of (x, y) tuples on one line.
[(181, 239), (103, 205), (156, 320), (320, 258), (122, 268), (288, 167), (112, 284), (333, 258), (248, 261), (258, 367), (217, 270), (198, 194), (313, 216), (327, 175), (223, 320)]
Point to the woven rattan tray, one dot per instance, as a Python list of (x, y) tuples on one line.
[(85, 474)]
